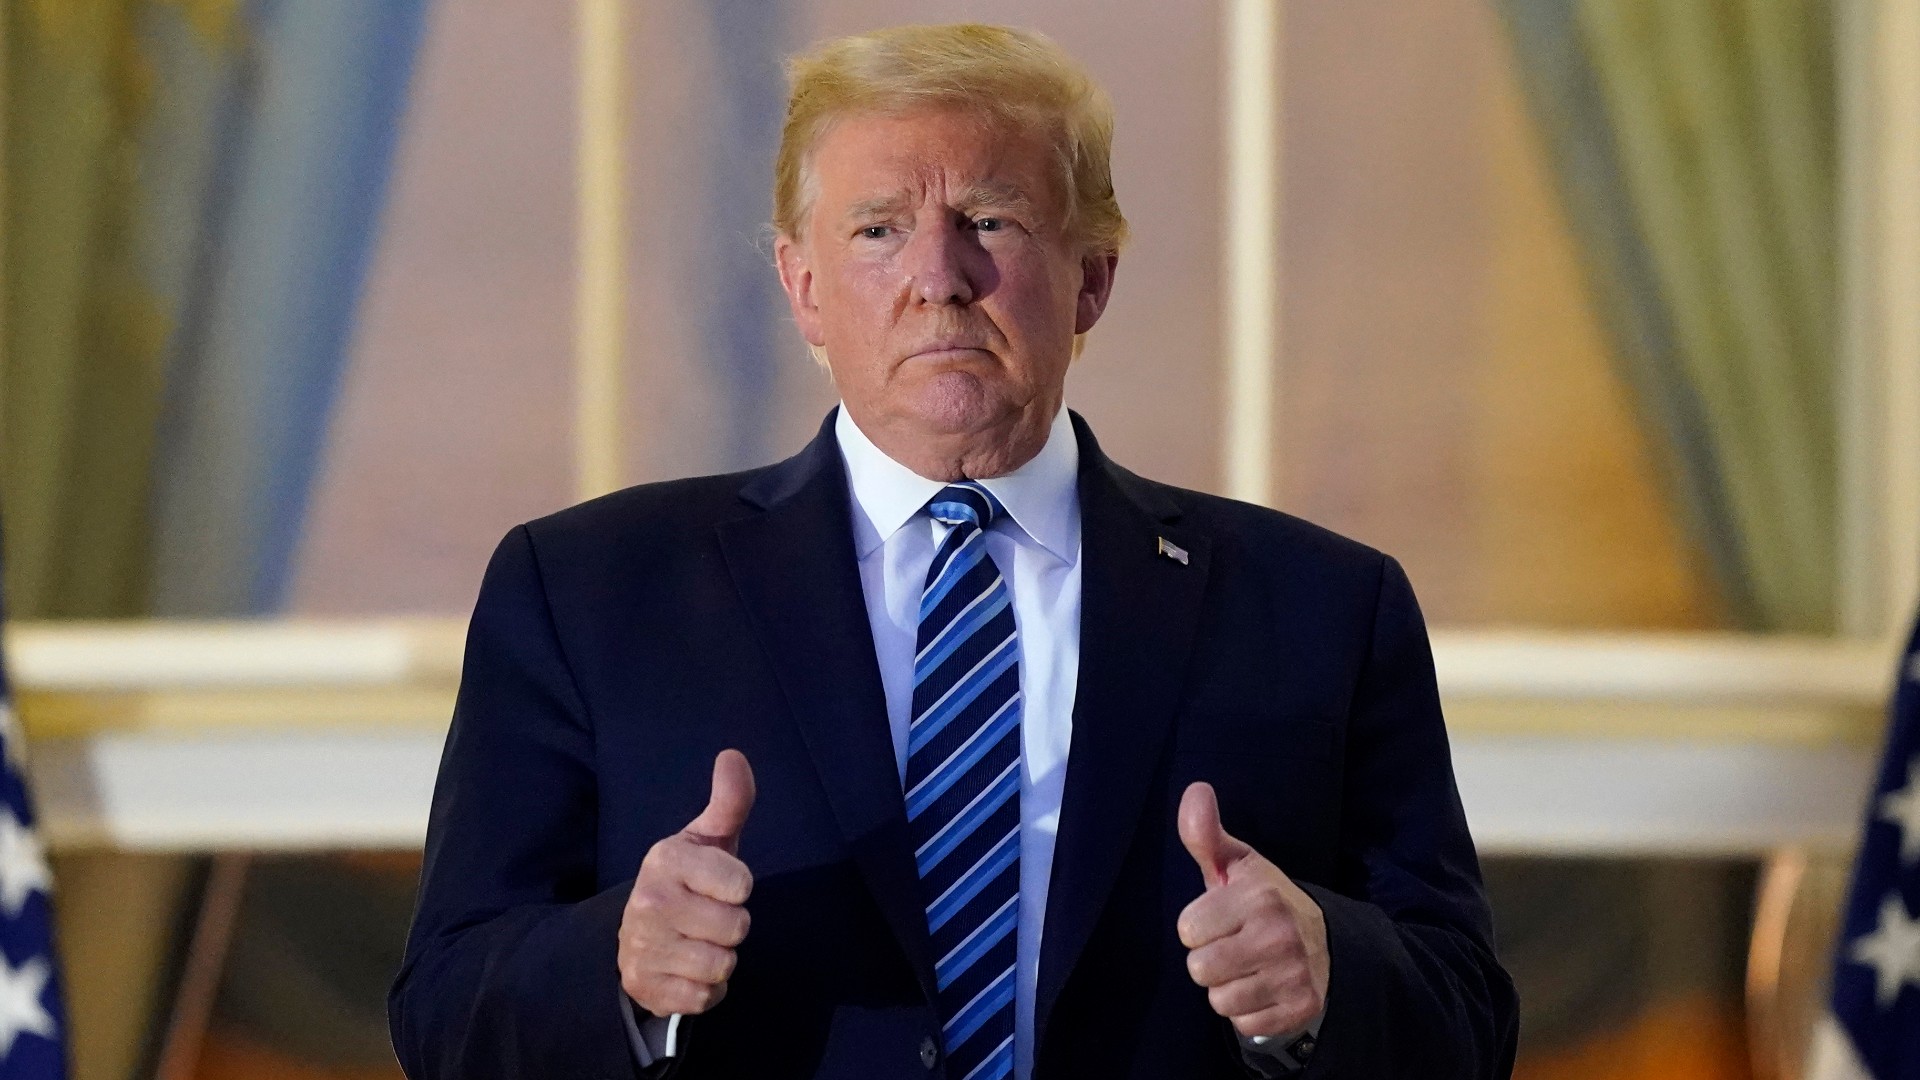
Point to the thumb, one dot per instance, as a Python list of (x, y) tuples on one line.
[(720, 823), (1205, 839)]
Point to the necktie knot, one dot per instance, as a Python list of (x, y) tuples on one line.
[(965, 503)]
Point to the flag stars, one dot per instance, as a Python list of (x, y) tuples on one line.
[(1893, 951), (1902, 809), (23, 864), (22, 1012)]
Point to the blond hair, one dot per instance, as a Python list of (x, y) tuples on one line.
[(1018, 78)]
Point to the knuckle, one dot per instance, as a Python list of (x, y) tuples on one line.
[(689, 998), (735, 931), (1278, 940), (1197, 968), (657, 857), (1287, 925), (657, 997), (1221, 999), (702, 963)]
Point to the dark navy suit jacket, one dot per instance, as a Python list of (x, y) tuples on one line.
[(616, 647)]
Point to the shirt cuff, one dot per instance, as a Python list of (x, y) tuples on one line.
[(653, 1038), (1282, 1055)]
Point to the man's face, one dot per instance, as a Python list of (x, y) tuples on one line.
[(937, 273)]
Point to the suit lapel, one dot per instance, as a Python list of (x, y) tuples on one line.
[(1139, 608), (797, 575)]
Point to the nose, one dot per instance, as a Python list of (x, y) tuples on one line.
[(937, 262)]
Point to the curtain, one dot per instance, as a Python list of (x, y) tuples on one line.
[(1694, 144), (192, 188), (84, 325)]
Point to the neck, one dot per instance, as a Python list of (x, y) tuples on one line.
[(972, 455)]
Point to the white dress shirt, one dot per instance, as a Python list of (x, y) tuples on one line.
[(1036, 545)]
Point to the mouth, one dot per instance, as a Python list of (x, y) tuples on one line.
[(948, 353)]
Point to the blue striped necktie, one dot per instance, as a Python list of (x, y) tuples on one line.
[(963, 784)]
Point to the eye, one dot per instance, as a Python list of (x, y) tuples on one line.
[(875, 232), (990, 224)]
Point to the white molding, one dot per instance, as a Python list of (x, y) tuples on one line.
[(1550, 796), (371, 790), (1669, 668), (59, 657), (271, 791), (249, 736), (162, 655), (1250, 243)]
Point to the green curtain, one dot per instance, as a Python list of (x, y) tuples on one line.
[(1694, 142), (83, 334)]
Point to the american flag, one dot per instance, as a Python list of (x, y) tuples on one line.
[(1876, 978), (32, 1029)]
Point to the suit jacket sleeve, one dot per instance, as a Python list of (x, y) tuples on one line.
[(1415, 989), (510, 967)]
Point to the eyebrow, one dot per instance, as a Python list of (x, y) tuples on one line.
[(1005, 195), (878, 206), (1001, 195)]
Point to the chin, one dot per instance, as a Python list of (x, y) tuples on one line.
[(957, 402)]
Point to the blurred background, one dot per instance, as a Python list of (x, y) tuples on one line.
[(1598, 314)]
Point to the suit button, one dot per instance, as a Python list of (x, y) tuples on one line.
[(929, 1053)]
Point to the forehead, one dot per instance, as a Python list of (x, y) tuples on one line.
[(875, 154)]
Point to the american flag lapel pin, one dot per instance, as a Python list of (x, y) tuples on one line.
[(1173, 551)]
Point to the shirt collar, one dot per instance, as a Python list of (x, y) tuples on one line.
[(1041, 496)]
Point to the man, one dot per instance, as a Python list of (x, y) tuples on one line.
[(946, 747)]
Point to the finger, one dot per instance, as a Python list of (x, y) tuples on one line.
[(1221, 962), (697, 961), (1211, 917), (1205, 839), (702, 919), (664, 995), (707, 871), (1282, 1019), (729, 803), (1243, 997)]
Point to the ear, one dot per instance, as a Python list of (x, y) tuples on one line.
[(1096, 285), (796, 277)]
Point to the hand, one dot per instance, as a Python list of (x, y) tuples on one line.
[(1256, 942), (686, 914)]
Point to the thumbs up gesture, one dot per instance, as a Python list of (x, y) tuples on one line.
[(686, 912), (1256, 942)]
